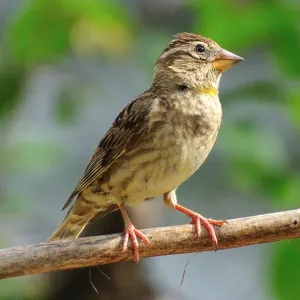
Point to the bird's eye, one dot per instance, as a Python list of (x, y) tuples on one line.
[(200, 48)]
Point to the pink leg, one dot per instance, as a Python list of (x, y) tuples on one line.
[(197, 219), (133, 233)]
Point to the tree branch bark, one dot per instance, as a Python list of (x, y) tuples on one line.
[(100, 250)]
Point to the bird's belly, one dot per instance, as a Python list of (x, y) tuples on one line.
[(155, 172)]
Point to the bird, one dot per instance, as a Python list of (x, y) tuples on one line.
[(156, 142)]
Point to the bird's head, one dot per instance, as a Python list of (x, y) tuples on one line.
[(194, 62)]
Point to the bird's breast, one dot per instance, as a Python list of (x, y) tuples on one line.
[(195, 125), (167, 156)]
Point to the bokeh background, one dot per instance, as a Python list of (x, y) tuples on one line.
[(66, 69)]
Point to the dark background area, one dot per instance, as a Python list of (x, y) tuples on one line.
[(67, 67)]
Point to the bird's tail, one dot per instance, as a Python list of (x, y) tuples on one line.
[(80, 214)]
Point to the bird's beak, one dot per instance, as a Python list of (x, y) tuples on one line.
[(226, 60)]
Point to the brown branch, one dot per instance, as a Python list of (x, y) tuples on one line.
[(92, 251)]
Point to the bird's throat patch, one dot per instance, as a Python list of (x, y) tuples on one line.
[(210, 91)]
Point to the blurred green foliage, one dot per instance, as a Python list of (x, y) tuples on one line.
[(45, 31), (11, 80), (284, 270)]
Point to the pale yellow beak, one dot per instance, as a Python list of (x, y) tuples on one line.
[(226, 60)]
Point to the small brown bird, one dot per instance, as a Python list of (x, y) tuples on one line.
[(157, 141)]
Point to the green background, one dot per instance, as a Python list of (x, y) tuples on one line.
[(68, 66)]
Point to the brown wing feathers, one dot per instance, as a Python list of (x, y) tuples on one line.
[(124, 135)]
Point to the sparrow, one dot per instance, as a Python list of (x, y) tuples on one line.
[(156, 142)]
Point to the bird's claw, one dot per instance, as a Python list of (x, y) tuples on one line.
[(197, 220), (133, 233)]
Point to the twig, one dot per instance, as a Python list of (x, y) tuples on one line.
[(184, 271), (91, 281), (100, 250)]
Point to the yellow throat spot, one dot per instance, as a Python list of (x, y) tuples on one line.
[(210, 91)]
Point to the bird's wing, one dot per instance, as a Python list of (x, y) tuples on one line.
[(126, 133)]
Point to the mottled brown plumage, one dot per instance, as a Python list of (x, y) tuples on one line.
[(157, 141)]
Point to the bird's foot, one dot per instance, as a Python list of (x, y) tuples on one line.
[(197, 220), (133, 233)]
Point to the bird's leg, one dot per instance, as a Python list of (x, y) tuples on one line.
[(171, 200), (133, 233)]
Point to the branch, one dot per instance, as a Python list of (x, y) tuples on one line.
[(100, 250)]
